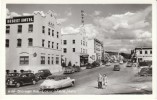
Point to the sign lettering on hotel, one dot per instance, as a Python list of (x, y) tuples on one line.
[(24, 19)]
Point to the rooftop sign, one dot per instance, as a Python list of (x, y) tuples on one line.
[(23, 19)]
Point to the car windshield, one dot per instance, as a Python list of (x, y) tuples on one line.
[(13, 74), (23, 75), (40, 71), (56, 78)]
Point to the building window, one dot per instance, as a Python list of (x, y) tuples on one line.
[(140, 52), (73, 41), (64, 42), (42, 59), (48, 44), (19, 30), (7, 43), (43, 42), (52, 44), (73, 49), (150, 51), (51, 60), (65, 50), (84, 43), (52, 32), (30, 28), (48, 60), (57, 60), (57, 45), (30, 42), (24, 60), (49, 31), (7, 29), (81, 42), (19, 42), (146, 52), (81, 50), (57, 34), (43, 29)]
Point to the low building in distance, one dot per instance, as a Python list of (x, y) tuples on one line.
[(33, 42)]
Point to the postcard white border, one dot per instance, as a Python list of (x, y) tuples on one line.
[(76, 97)]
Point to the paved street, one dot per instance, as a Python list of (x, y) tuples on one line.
[(124, 81)]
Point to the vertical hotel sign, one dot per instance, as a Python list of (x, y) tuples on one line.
[(23, 19)]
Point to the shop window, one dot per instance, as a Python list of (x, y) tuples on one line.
[(42, 59), (24, 60)]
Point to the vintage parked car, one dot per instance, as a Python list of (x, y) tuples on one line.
[(77, 68), (69, 70), (145, 72), (121, 62), (56, 82), (21, 79), (116, 68), (89, 66), (9, 75), (43, 73), (129, 64)]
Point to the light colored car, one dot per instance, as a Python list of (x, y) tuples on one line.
[(108, 64), (56, 82), (121, 62), (129, 64)]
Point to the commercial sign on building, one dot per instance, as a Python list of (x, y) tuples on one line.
[(23, 19)]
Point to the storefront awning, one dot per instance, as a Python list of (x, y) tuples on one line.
[(84, 55)]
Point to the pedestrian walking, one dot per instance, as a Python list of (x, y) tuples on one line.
[(105, 80), (100, 81)]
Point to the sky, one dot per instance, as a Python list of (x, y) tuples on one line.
[(121, 27)]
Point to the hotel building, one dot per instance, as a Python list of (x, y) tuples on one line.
[(33, 42), (74, 49)]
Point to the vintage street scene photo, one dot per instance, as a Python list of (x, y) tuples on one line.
[(78, 49)]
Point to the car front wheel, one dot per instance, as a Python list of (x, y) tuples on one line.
[(18, 85), (33, 82)]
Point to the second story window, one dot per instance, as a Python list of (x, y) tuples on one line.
[(57, 45), (49, 31), (73, 49), (48, 60), (52, 32), (57, 34), (48, 44), (43, 42), (150, 51), (64, 42), (141, 52), (19, 30), (19, 42), (73, 41), (7, 43), (146, 52), (52, 44), (43, 29), (65, 50), (30, 42), (7, 29), (30, 28)]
